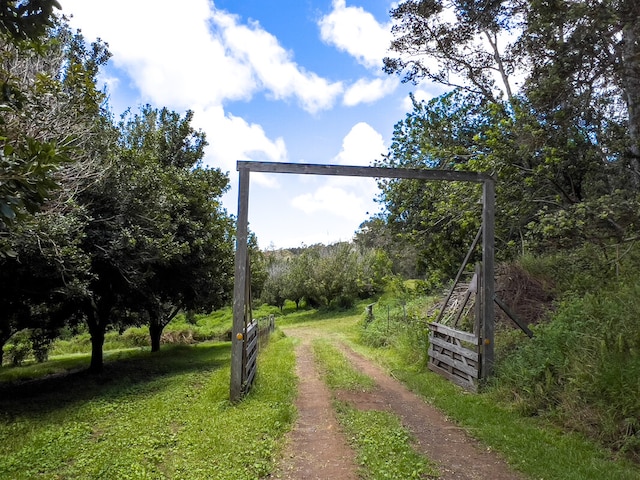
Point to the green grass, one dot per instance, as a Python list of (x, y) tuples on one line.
[(530, 445), (383, 445), (157, 416), (337, 371)]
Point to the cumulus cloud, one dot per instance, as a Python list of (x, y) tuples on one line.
[(357, 32), (273, 66), (369, 91), (348, 197), (190, 54), (242, 141), (361, 146)]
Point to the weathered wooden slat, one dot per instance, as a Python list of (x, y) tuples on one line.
[(464, 336), (251, 361), (465, 352), (452, 362), (249, 381), (358, 171), (252, 344), (453, 378)]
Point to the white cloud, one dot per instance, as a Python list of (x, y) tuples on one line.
[(348, 197), (361, 146), (369, 91), (235, 139), (187, 54), (357, 32), (273, 66), (333, 200)]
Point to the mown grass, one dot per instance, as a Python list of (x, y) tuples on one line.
[(157, 416), (383, 446), (337, 370)]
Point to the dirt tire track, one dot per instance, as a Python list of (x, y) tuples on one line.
[(316, 447), (459, 456)]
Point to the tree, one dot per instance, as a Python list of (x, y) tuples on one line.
[(455, 43), (158, 238), (27, 19), (275, 288), (52, 112), (45, 275), (579, 61), (46, 71)]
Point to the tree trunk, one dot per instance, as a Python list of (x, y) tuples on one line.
[(97, 321), (97, 344), (155, 332)]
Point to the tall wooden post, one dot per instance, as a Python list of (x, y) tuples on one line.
[(239, 286), (488, 287)]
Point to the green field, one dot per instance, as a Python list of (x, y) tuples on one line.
[(167, 415)]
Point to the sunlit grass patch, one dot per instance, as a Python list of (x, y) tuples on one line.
[(337, 370), (165, 415)]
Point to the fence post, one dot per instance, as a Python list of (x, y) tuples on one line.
[(239, 287), (488, 287)]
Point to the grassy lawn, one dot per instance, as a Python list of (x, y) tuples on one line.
[(167, 415), (152, 416)]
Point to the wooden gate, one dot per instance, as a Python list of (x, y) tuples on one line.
[(256, 335), (454, 355)]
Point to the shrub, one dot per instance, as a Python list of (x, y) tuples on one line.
[(19, 348)]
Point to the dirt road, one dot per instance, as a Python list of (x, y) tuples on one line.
[(317, 449)]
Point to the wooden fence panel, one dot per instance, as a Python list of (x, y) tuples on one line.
[(256, 334), (454, 355)]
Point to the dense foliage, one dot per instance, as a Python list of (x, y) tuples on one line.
[(322, 276), (112, 224), (557, 124)]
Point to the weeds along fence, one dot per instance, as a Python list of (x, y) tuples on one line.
[(383, 323), (256, 335)]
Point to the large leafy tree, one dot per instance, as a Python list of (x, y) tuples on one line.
[(158, 238), (577, 62), (52, 128), (564, 144)]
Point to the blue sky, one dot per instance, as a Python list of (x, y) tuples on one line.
[(281, 81)]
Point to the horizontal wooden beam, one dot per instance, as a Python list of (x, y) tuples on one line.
[(358, 171), (460, 335)]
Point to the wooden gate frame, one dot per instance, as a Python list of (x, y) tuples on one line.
[(240, 297)]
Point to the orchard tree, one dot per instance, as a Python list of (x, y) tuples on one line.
[(158, 238), (52, 113)]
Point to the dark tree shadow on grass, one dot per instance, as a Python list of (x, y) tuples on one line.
[(142, 374)]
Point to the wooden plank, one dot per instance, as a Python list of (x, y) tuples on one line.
[(465, 352), (459, 275), (460, 335), (252, 344), (488, 254), (358, 171), (513, 316), (466, 384), (452, 362), (239, 292)]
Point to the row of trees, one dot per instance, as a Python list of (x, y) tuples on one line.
[(335, 275), (104, 222), (546, 95)]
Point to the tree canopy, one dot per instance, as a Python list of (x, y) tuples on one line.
[(545, 96)]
